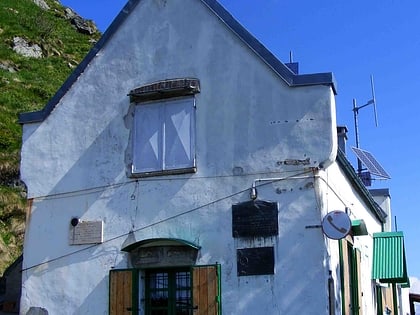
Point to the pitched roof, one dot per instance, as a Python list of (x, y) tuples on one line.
[(284, 72)]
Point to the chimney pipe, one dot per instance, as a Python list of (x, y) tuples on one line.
[(342, 138)]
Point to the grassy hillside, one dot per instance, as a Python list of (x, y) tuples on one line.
[(26, 84)]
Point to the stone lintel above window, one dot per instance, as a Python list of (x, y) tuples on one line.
[(165, 89)]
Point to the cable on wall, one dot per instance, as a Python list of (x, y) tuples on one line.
[(158, 222)]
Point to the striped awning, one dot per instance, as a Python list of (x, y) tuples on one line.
[(389, 264)]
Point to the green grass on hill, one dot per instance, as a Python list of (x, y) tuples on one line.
[(28, 86)]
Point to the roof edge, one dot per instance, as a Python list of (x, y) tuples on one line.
[(293, 80), (357, 183), (271, 60), (389, 234), (39, 116)]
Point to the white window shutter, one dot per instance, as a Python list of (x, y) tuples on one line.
[(147, 140), (179, 134)]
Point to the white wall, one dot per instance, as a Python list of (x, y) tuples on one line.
[(339, 195), (75, 164)]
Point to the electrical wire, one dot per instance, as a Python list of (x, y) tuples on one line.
[(161, 221), (92, 190)]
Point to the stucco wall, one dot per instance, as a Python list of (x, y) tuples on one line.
[(244, 107), (249, 122), (339, 195)]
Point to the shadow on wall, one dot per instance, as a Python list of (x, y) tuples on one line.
[(60, 271), (101, 164)]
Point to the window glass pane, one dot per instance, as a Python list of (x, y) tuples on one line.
[(168, 292), (183, 292), (158, 286), (178, 136), (164, 136), (147, 142)]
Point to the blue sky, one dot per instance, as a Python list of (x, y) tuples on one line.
[(352, 39)]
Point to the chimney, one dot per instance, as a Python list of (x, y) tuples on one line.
[(293, 66), (342, 138)]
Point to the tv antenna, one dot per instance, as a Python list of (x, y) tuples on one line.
[(356, 109), (365, 157)]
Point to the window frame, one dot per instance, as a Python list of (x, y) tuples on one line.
[(171, 288), (125, 286), (158, 92), (165, 111)]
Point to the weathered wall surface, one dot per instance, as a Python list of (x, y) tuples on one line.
[(339, 194), (249, 125)]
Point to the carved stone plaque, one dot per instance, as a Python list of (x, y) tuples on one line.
[(255, 261), (255, 218), (157, 256), (86, 232)]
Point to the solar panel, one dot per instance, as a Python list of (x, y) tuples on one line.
[(370, 162)]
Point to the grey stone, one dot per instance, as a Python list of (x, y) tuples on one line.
[(69, 13), (82, 25), (37, 311), (42, 4), (22, 47), (5, 65)]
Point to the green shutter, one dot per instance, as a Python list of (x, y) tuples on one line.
[(389, 264)]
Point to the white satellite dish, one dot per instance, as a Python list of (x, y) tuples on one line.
[(336, 225)]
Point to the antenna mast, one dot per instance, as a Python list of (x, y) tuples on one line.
[(356, 120)]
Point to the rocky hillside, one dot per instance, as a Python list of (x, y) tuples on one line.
[(40, 43)]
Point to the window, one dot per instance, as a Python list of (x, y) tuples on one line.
[(167, 291), (164, 127), (164, 137)]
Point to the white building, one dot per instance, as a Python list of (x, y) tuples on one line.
[(183, 169)]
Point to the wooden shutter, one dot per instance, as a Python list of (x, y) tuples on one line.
[(345, 277), (387, 298), (358, 284), (206, 290), (122, 298), (351, 279)]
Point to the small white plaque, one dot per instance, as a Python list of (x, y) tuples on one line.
[(86, 232)]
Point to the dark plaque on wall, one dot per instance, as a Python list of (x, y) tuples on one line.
[(255, 218), (255, 261)]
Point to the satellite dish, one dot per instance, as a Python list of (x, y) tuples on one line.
[(336, 225)]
